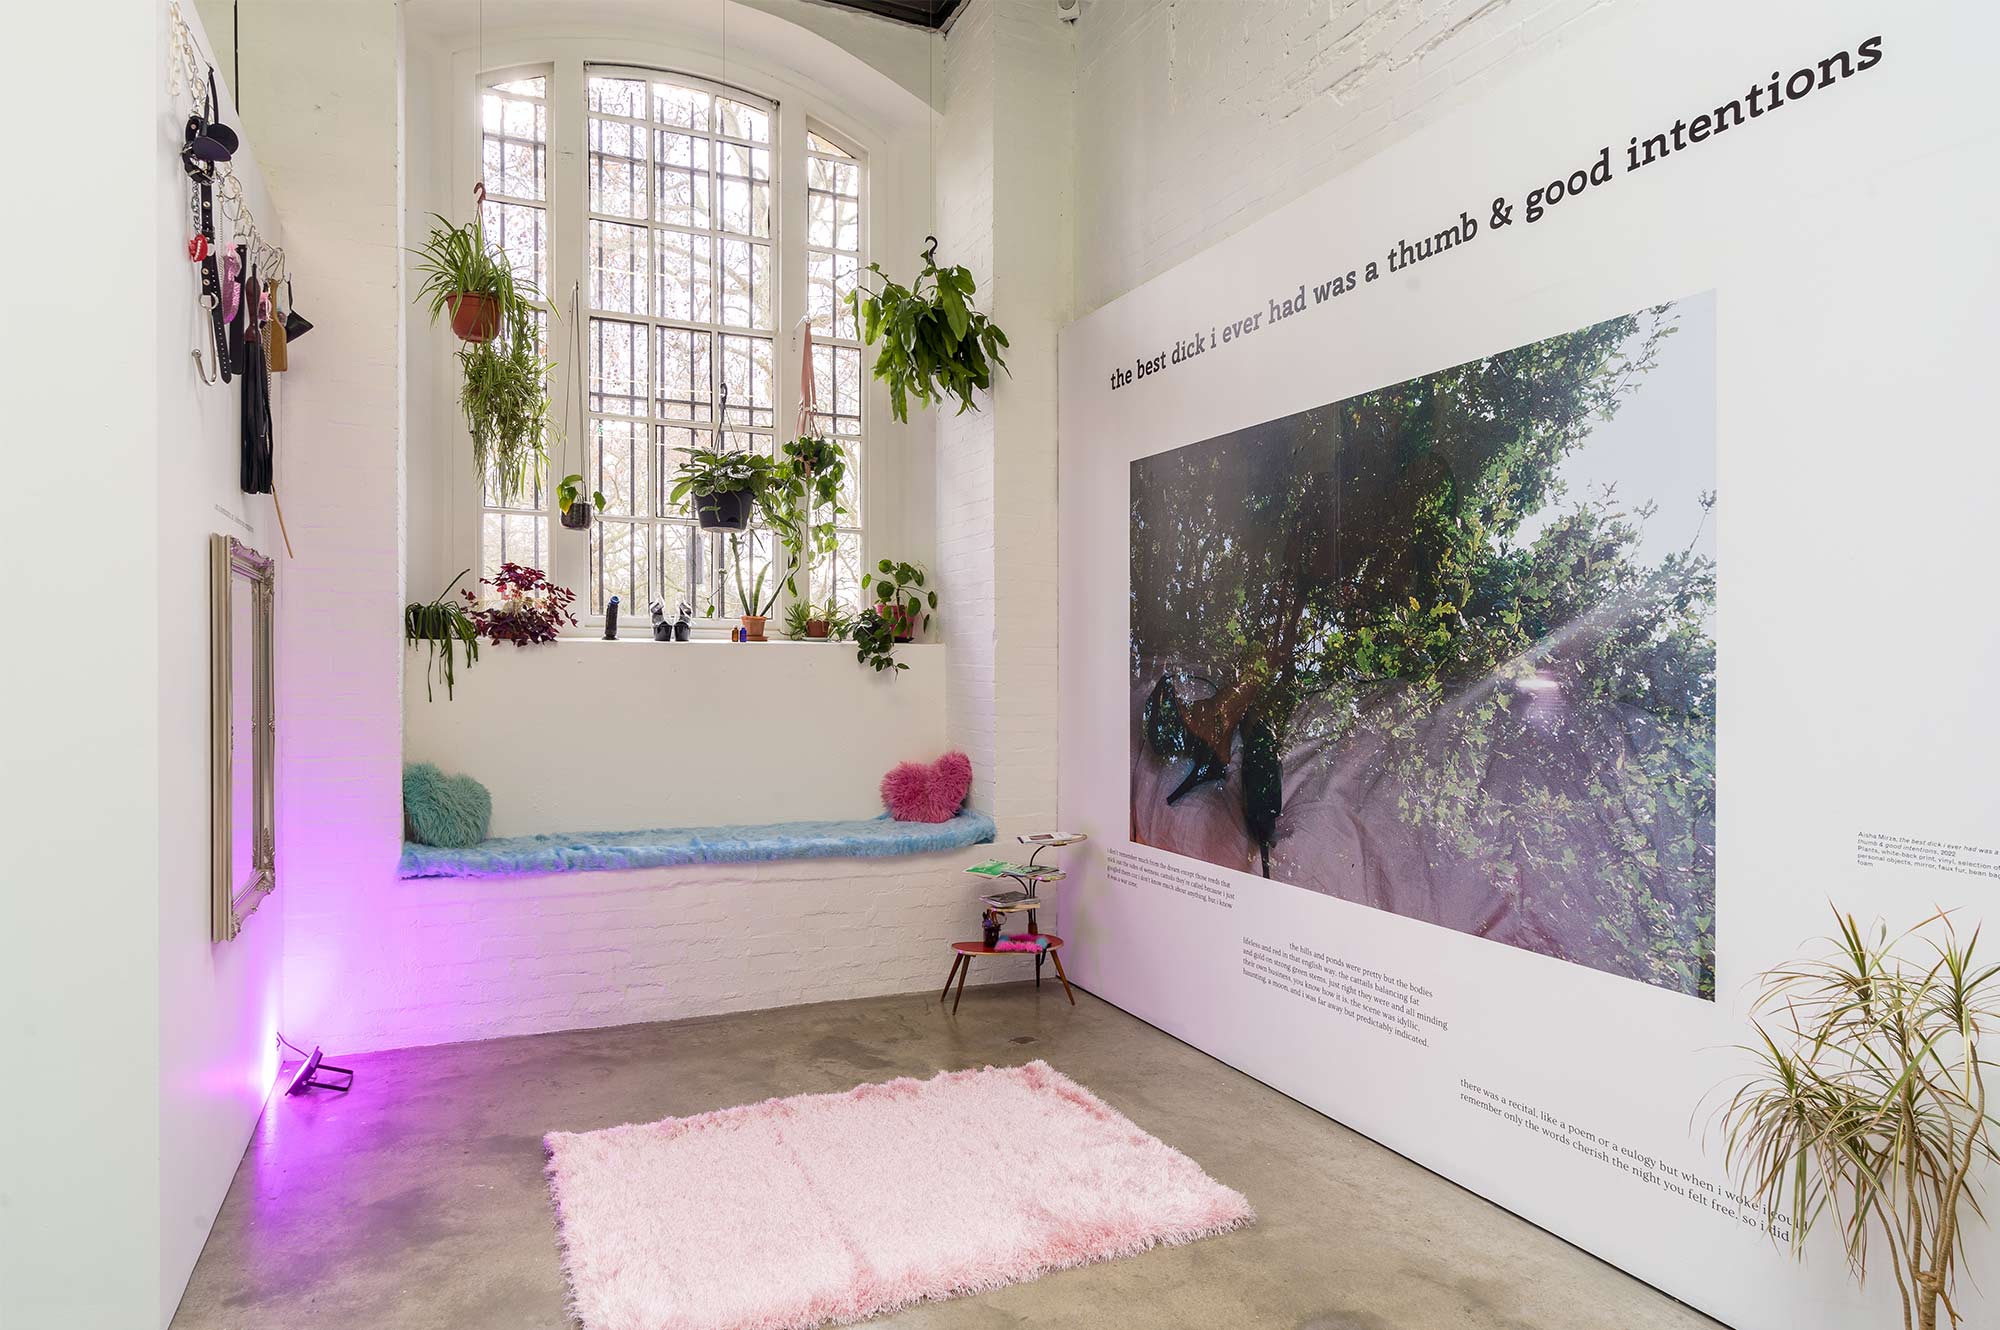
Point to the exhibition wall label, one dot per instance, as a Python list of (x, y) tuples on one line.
[(1514, 589)]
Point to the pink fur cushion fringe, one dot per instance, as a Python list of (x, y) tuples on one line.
[(928, 791), (832, 1208)]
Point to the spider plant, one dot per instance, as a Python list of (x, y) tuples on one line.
[(1867, 1108), (445, 625), (457, 261), (506, 404)]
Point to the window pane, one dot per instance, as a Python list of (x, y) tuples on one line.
[(675, 442), (837, 577), (746, 284), (615, 96), (847, 224), (618, 279), (849, 492), (533, 87), (743, 176), (837, 385), (685, 374), (746, 374), (686, 276), (618, 567), (617, 168), (814, 143), (681, 179), (620, 463), (740, 121), (512, 538), (617, 367), (686, 107), (673, 566), (829, 279)]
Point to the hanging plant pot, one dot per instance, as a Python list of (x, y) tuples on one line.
[(577, 516), (474, 317), (753, 627), (724, 511)]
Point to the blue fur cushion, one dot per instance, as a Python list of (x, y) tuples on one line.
[(444, 810)]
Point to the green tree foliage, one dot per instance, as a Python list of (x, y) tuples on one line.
[(1534, 716)]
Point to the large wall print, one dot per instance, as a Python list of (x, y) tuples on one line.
[(1513, 589), (1447, 648)]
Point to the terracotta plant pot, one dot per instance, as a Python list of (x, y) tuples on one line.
[(475, 318), (897, 617), (724, 512), (816, 628), (753, 626)]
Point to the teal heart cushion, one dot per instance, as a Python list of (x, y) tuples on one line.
[(440, 809)]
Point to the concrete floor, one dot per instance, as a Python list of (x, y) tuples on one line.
[(417, 1202)]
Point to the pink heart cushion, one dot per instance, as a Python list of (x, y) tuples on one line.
[(928, 791)]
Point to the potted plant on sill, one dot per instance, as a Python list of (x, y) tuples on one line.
[(524, 608), (577, 510), (806, 622), (446, 626), (901, 610), (934, 344), (726, 487)]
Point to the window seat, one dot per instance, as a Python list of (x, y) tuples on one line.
[(600, 851)]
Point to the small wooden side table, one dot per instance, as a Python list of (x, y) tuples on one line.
[(961, 966)]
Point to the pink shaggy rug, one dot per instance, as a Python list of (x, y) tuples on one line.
[(836, 1207)]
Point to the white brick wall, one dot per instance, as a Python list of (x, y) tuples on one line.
[(456, 959), (1193, 117), (1003, 212)]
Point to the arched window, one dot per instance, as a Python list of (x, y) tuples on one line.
[(693, 260)]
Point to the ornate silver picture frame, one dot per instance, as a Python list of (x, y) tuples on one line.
[(243, 742)]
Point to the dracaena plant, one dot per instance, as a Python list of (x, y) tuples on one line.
[(1866, 1111), (935, 345)]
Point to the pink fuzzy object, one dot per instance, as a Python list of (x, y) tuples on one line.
[(836, 1207), (928, 792)]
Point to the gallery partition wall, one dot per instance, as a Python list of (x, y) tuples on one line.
[(1515, 589)]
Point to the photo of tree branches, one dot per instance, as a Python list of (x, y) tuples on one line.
[(1447, 648)]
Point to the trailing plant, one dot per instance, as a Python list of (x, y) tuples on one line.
[(570, 488), (506, 403), (446, 626), (525, 606), (708, 472), (901, 610), (801, 503), (934, 343), (1867, 1108)]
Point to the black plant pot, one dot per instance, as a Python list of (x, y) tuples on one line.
[(577, 516), (724, 512)]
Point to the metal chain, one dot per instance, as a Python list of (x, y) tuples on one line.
[(188, 80)]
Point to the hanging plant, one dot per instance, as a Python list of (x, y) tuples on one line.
[(934, 344), (576, 510), (726, 486), (506, 403), (468, 277), (445, 626), (504, 393)]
